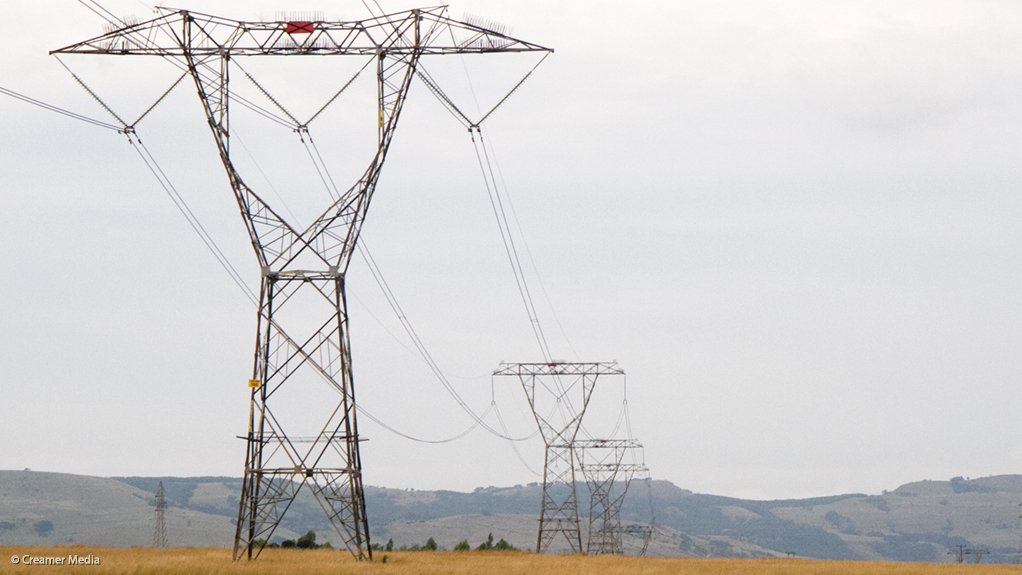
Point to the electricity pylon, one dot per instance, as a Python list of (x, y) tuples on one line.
[(1018, 556), (608, 476), (160, 530), (303, 270), (559, 382)]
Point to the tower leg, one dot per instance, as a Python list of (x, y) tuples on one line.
[(559, 513), (279, 464)]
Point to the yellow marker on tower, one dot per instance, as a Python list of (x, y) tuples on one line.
[(253, 383)]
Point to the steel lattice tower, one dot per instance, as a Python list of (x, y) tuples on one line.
[(601, 462), (1018, 556), (303, 270), (160, 530), (559, 381)]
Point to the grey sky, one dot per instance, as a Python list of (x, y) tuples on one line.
[(794, 224)]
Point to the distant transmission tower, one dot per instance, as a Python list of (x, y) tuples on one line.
[(1018, 555), (602, 463), (558, 384), (302, 336), (160, 530), (958, 552)]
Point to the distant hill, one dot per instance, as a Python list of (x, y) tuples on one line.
[(918, 521), (60, 509)]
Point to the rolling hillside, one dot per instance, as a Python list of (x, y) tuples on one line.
[(915, 522)]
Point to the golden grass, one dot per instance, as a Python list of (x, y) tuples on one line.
[(193, 561)]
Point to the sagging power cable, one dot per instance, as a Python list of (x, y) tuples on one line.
[(164, 181), (528, 251), (424, 351), (493, 192), (193, 221), (508, 240), (59, 110), (500, 213)]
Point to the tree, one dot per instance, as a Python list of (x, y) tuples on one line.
[(430, 545), (463, 545), (307, 541), (486, 545), (390, 545), (504, 546)]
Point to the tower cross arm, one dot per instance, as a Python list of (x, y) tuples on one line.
[(424, 31), (608, 444), (560, 368)]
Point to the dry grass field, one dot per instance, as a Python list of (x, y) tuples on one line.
[(189, 561)]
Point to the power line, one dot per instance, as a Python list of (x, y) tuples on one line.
[(427, 357), (190, 217), (509, 246), (416, 439), (59, 110), (528, 250)]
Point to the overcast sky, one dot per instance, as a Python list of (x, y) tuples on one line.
[(795, 224)]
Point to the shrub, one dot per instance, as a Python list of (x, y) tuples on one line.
[(43, 528), (504, 546)]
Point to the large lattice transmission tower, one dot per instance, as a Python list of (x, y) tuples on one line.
[(302, 329), (608, 475), (553, 390)]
